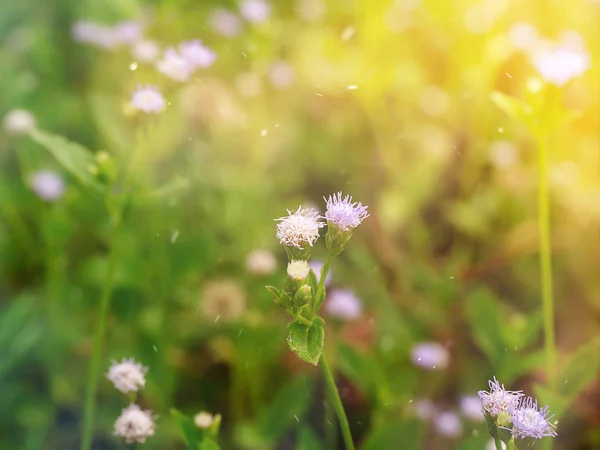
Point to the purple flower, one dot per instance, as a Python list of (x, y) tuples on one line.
[(530, 421), (424, 409), (470, 406), (343, 213), (225, 22), (498, 399), (430, 355), (448, 424), (48, 185), (127, 32), (255, 11), (145, 50), (148, 99), (342, 303), (299, 228), (175, 66), (197, 54)]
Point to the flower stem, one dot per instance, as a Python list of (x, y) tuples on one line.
[(94, 373), (498, 443), (546, 259), (321, 286), (337, 403)]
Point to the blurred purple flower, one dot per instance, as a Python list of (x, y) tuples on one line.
[(175, 66), (281, 74), (344, 304), (225, 22), (430, 355), (145, 50), (424, 409), (255, 11), (448, 424), (470, 405), (197, 54), (343, 213), (148, 99), (127, 32), (48, 185), (530, 421)]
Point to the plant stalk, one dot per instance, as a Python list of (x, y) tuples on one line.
[(321, 286), (337, 403), (94, 373)]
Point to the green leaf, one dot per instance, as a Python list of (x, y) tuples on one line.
[(514, 108), (187, 428), (109, 120), (285, 409), (485, 319), (75, 158), (577, 373), (208, 444), (307, 341), (308, 440), (392, 434)]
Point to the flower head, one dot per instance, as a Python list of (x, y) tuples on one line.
[(498, 400), (560, 65), (48, 185), (127, 375), (343, 213), (300, 228), (424, 409), (255, 11), (127, 32), (430, 355), (175, 66), (148, 99), (223, 300), (18, 121), (298, 270), (204, 419), (344, 304), (197, 54), (261, 262), (448, 424), (135, 425), (530, 421)]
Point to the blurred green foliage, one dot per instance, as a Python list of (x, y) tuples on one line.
[(408, 106)]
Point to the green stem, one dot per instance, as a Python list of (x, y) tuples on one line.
[(498, 443), (303, 320), (337, 403), (94, 374), (545, 256), (321, 286)]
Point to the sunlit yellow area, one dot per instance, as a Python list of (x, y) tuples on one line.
[(300, 224)]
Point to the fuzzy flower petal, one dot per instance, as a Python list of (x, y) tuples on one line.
[(197, 54), (299, 228), (127, 375), (530, 421), (343, 213), (498, 399), (135, 425)]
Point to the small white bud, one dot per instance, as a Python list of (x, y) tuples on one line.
[(298, 270)]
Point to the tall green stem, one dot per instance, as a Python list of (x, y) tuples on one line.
[(337, 404), (545, 256), (321, 286), (498, 443), (94, 374)]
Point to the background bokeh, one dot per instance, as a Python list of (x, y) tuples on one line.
[(386, 101)]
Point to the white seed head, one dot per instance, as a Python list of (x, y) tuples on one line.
[(300, 228), (18, 121), (223, 300), (127, 375), (204, 420), (135, 425)]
